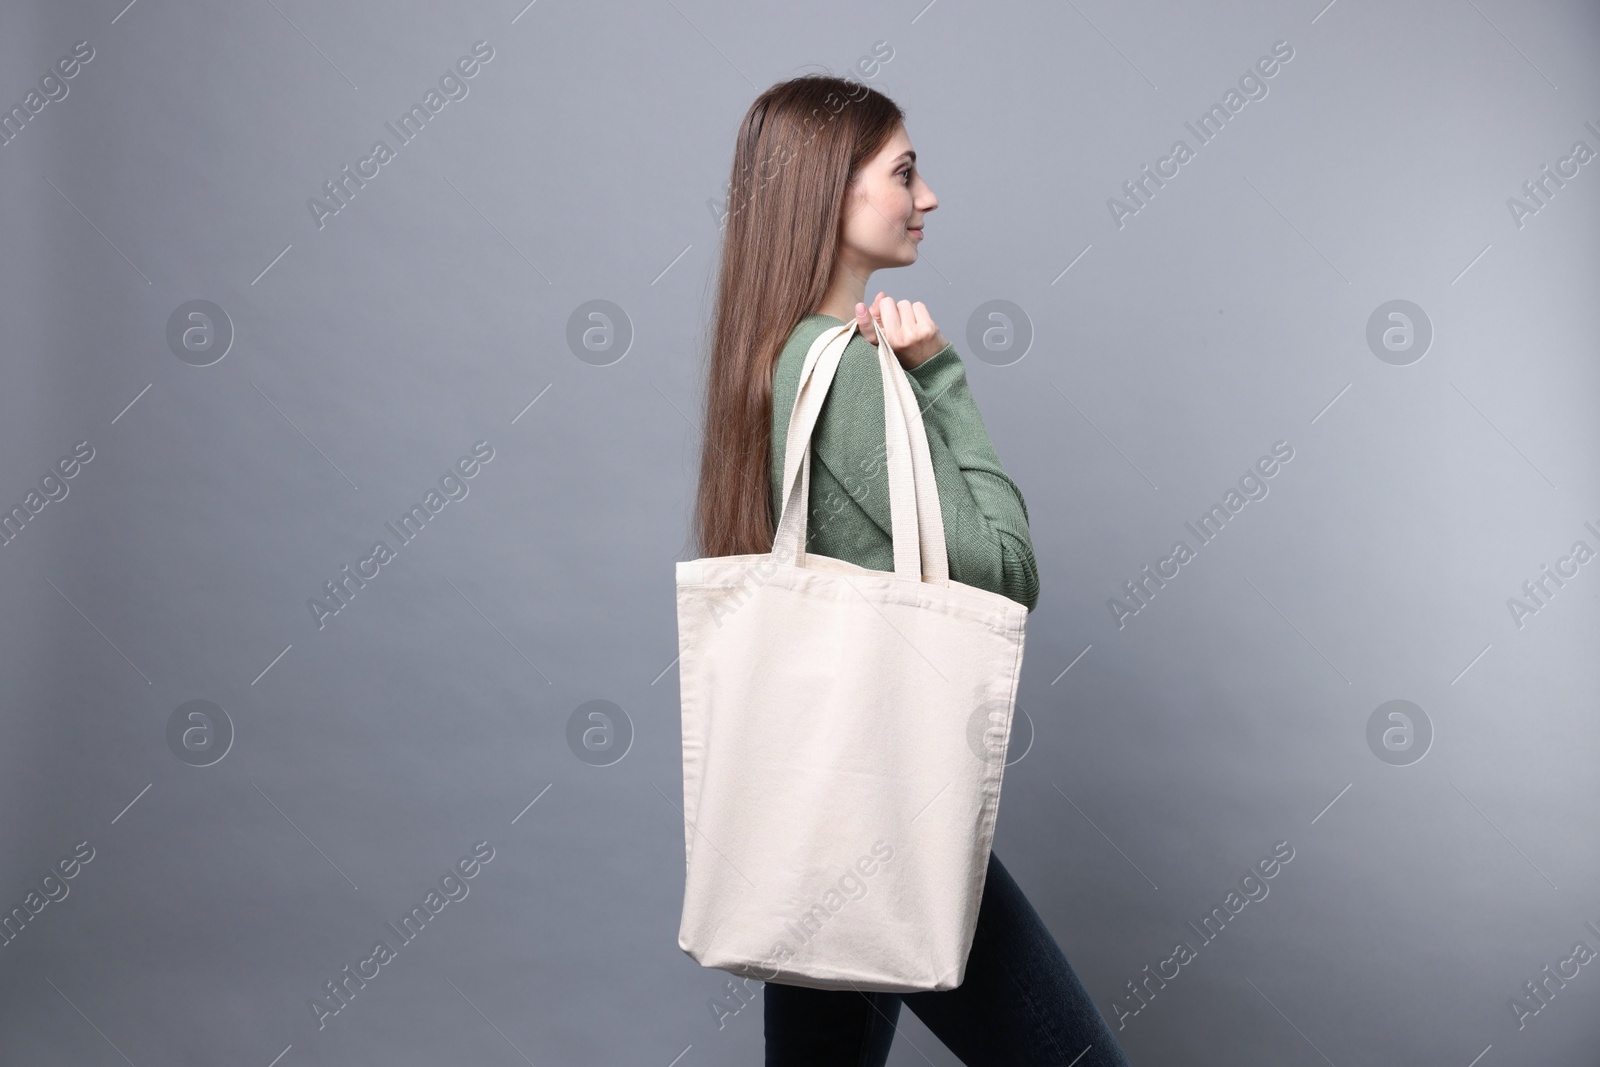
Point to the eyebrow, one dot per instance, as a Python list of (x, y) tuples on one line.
[(904, 155)]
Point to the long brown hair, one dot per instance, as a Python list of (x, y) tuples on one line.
[(800, 145)]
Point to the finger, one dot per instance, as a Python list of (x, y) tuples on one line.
[(864, 323), (889, 315), (910, 331)]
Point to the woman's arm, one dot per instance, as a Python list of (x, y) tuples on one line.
[(991, 511), (985, 517)]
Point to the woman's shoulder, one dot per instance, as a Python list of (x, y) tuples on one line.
[(801, 337), (855, 384), (792, 358)]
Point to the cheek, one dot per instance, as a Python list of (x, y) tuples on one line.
[(881, 220), (894, 207)]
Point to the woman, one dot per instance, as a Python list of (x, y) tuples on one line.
[(825, 191)]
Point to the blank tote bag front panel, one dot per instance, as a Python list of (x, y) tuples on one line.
[(844, 734)]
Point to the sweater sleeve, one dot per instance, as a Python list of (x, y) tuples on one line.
[(985, 517)]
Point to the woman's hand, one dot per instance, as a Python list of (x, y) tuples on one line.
[(908, 326)]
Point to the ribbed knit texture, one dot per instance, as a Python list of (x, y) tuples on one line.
[(985, 517)]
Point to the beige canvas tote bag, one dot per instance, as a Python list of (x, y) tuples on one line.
[(844, 733)]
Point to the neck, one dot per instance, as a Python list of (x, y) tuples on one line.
[(846, 289)]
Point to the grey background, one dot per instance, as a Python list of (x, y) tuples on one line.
[(584, 163)]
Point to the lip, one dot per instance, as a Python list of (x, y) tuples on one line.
[(915, 231)]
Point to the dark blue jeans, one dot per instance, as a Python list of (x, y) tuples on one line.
[(1018, 1005)]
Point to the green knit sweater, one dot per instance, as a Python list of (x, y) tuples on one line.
[(985, 518)]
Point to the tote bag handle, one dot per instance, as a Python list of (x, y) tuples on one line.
[(915, 516)]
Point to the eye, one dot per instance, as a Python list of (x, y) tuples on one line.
[(907, 175)]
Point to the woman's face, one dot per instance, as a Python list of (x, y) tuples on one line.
[(884, 208)]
